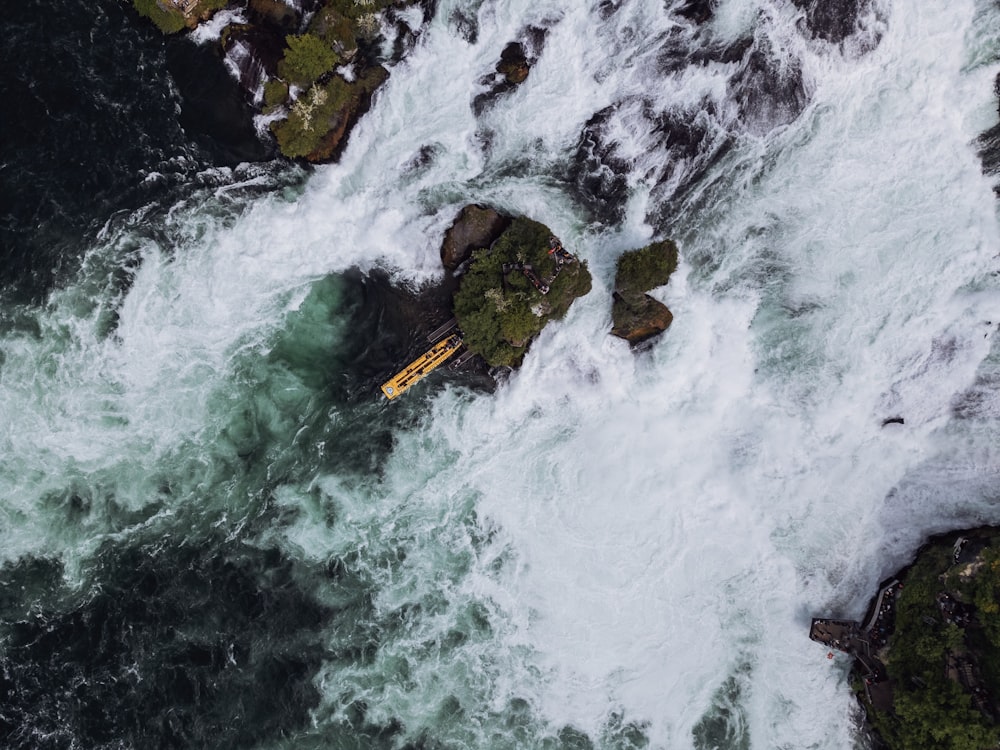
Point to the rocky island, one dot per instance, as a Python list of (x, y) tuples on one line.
[(514, 287), (927, 656), (311, 74)]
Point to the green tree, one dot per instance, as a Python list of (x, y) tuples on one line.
[(169, 21), (306, 59), (275, 93), (941, 717), (499, 313)]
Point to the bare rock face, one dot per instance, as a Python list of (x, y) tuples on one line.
[(475, 227), (640, 318)]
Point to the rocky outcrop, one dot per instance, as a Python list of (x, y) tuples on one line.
[(318, 123), (635, 316), (318, 65), (514, 65), (639, 320), (513, 68), (171, 16), (514, 288), (475, 227)]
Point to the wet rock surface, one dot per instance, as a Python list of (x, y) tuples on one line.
[(831, 20), (512, 69), (598, 176), (639, 319), (214, 111), (769, 90), (698, 11), (475, 227)]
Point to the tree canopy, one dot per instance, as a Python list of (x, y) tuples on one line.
[(500, 312)]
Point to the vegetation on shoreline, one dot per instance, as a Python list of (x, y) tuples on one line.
[(646, 268), (319, 118), (321, 115), (316, 100), (501, 311), (307, 58), (944, 654)]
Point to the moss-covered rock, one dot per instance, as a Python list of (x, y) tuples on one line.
[(635, 316), (300, 50), (273, 12), (337, 30), (275, 94), (475, 227), (512, 290)]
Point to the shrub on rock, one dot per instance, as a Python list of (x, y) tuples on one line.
[(498, 307)]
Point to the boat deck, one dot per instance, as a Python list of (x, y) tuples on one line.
[(421, 366)]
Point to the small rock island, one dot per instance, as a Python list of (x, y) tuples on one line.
[(635, 316), (513, 288), (927, 656)]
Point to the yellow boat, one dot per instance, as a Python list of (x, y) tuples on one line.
[(422, 365)]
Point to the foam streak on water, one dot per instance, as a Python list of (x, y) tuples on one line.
[(613, 545)]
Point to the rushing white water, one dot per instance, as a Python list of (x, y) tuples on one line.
[(635, 538)]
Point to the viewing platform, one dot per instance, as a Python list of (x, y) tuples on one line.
[(863, 641)]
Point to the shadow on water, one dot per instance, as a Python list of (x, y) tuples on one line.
[(204, 643), (102, 114), (351, 333)]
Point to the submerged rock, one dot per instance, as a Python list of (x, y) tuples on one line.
[(635, 316), (698, 11), (597, 174), (832, 20), (769, 90), (475, 227)]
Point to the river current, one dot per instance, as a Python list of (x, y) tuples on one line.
[(217, 533)]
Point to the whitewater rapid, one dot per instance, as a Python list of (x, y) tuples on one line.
[(614, 547)]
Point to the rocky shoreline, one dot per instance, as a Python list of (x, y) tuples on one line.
[(927, 655)]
